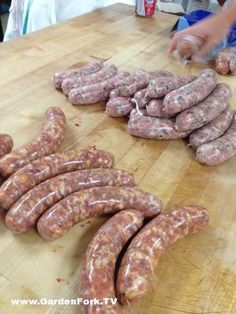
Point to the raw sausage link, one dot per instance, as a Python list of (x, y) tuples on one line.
[(90, 68), (142, 79), (145, 250), (119, 107), (159, 87), (226, 61), (45, 144), (190, 94), (94, 93), (108, 71), (204, 112), (93, 202), (140, 98), (98, 267), (23, 215), (6, 144), (153, 128), (212, 130), (47, 167), (216, 152), (154, 108)]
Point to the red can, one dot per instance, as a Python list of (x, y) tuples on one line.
[(145, 7)]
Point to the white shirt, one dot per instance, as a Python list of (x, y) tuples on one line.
[(30, 15)]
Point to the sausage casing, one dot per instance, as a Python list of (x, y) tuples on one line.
[(218, 151), (190, 94), (145, 250), (141, 80), (154, 108), (97, 278), (119, 106), (153, 128), (161, 86), (93, 202), (205, 111), (212, 130), (47, 142), (47, 167), (23, 215), (89, 68), (94, 93), (6, 144), (106, 72)]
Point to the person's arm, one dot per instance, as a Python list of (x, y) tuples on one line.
[(210, 31)]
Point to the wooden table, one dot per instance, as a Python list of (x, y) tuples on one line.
[(198, 274)]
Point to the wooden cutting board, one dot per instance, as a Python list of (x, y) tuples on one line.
[(196, 275)]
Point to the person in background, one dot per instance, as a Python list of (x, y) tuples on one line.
[(30, 15), (211, 31)]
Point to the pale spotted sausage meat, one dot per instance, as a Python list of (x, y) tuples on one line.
[(141, 80), (212, 130), (218, 151), (47, 142), (190, 94), (93, 202), (98, 266), (159, 87), (145, 250), (50, 166), (6, 144), (24, 214), (94, 93), (154, 108), (106, 72), (205, 111), (87, 69), (119, 107), (153, 128)]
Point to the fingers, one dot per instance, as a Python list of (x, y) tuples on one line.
[(173, 43)]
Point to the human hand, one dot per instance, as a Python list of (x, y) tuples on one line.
[(208, 33)]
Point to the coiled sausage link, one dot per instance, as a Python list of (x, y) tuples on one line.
[(190, 94), (119, 106), (23, 215), (6, 144), (161, 86), (47, 142), (141, 80), (98, 266), (153, 128), (93, 202), (94, 93), (47, 167), (145, 250), (108, 71), (212, 130), (205, 111), (218, 151), (90, 68)]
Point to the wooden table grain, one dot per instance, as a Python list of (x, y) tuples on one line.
[(198, 274)]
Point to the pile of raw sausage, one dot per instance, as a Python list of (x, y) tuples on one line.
[(55, 191), (160, 105), (173, 107)]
